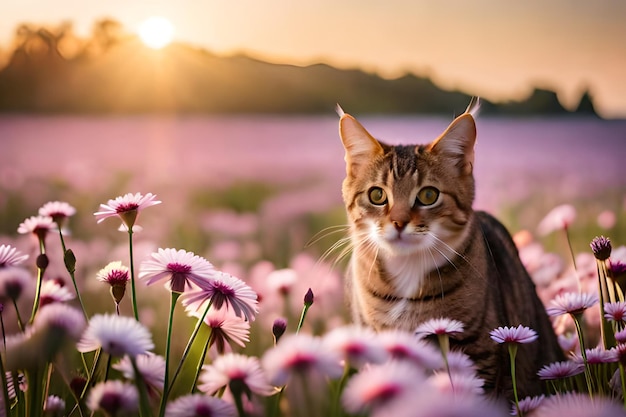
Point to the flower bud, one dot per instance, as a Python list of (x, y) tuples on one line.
[(308, 298), (70, 261), (601, 247), (42, 261), (278, 328)]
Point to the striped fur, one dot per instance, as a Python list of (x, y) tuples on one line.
[(416, 257)]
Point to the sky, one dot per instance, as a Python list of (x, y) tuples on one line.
[(497, 49)]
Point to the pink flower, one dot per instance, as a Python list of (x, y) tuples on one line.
[(232, 367), (226, 328), (560, 217), (357, 345), (62, 319), (571, 303), (54, 292), (303, 355), (58, 210), (457, 383), (558, 370), (9, 256), (528, 405), (127, 207), (114, 273), (116, 335), (405, 346), (615, 311), (151, 368), (114, 398), (620, 336), (181, 269), (197, 405), (439, 326), (579, 405), (378, 386), (37, 225), (598, 355), (514, 335), (13, 281), (224, 290)]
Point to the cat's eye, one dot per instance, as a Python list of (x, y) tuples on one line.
[(377, 196), (427, 196)]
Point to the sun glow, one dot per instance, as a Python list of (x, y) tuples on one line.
[(156, 32)]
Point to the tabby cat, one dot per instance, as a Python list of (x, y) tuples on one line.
[(420, 251)]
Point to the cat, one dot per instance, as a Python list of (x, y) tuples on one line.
[(420, 251)]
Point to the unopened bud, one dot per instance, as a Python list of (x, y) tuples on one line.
[(308, 298), (42, 261), (278, 328), (70, 261)]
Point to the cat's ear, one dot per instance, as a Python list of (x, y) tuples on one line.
[(360, 146), (457, 143)]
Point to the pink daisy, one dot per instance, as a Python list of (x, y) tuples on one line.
[(116, 335), (560, 217), (378, 386), (300, 354), (151, 368), (528, 405), (233, 367), (58, 211), (615, 311), (226, 328), (127, 207), (114, 398), (558, 370), (54, 406), (13, 281), (514, 335), (282, 280), (197, 405), (62, 318), (439, 326), (52, 291), (620, 336), (568, 342), (579, 405), (37, 225), (406, 346), (114, 273), (597, 356), (571, 303), (179, 268), (455, 383), (357, 345), (224, 290), (459, 363), (10, 256)]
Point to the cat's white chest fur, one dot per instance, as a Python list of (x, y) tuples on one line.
[(408, 272)]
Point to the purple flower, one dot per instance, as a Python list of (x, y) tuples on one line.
[(127, 207), (13, 281), (405, 346), (224, 290), (61, 319), (439, 326), (357, 345), (457, 383), (615, 311), (601, 247), (278, 328), (151, 368), (571, 303), (616, 268), (579, 405), (514, 335), (54, 406), (597, 356), (198, 405), (620, 336), (560, 217), (528, 404), (114, 398), (9, 256), (116, 335), (179, 268), (58, 210), (558, 370), (226, 328)]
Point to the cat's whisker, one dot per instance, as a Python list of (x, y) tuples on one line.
[(327, 231)]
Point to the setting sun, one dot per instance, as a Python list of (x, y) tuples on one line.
[(156, 32)]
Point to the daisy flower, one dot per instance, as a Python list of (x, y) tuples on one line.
[(282, 280), (151, 368), (37, 225), (601, 247), (52, 291), (116, 275), (568, 342), (58, 211), (357, 345), (13, 281), (571, 303), (459, 363), (54, 406), (615, 311), (559, 370), (516, 335), (620, 336), (10, 256), (234, 368), (405, 346), (579, 405), (457, 383), (226, 328), (300, 354), (179, 268), (560, 217), (439, 326), (114, 398), (597, 356), (116, 335), (60, 318), (378, 386), (197, 405), (528, 405), (616, 268), (127, 207), (224, 290)]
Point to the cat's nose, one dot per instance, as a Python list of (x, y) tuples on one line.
[(399, 225)]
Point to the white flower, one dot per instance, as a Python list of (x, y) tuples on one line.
[(179, 268), (116, 335), (358, 345), (560, 217), (113, 397), (60, 317), (234, 367), (196, 405), (53, 292), (151, 368), (10, 256), (127, 207)]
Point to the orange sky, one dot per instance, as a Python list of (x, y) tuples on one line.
[(496, 49)]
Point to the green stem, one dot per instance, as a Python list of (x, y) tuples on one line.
[(96, 361), (622, 375), (205, 349), (40, 272), (71, 271), (512, 354), (20, 323), (34, 404), (336, 406), (132, 275), (188, 348), (606, 330), (239, 404), (583, 353), (168, 344), (144, 404), (302, 317)]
